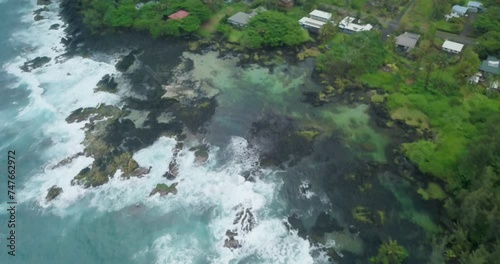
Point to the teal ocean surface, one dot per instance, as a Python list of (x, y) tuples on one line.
[(118, 222)]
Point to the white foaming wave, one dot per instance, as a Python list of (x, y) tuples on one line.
[(57, 89), (270, 242), (223, 192), (199, 188), (177, 249), (36, 188), (119, 193)]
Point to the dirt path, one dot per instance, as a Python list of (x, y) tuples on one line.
[(394, 25), (468, 25)]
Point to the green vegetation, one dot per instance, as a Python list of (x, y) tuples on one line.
[(433, 191), (419, 15), (390, 253), (350, 59), (454, 25), (487, 28), (151, 16), (488, 21), (273, 29)]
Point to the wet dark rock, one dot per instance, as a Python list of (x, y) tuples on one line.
[(105, 166), (173, 168), (404, 165), (194, 116), (303, 189), (251, 175), (65, 41), (43, 2), (54, 27), (325, 224), (280, 140), (40, 10), (93, 113), (53, 192), (200, 153), (295, 223), (35, 63), (246, 219), (353, 229), (231, 242), (313, 98), (139, 172), (67, 160), (124, 64), (38, 17), (106, 84), (164, 189)]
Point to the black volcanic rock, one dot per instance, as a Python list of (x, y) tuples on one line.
[(35, 63), (124, 64), (43, 2), (54, 27), (54, 191), (106, 84)]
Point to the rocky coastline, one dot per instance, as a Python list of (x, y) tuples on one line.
[(112, 136)]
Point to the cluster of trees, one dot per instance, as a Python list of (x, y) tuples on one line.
[(273, 29), (487, 28), (475, 207), (358, 54), (150, 16)]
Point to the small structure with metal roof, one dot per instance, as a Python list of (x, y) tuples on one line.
[(316, 20), (179, 15), (407, 41), (452, 47), (491, 65), (474, 6), (352, 24), (241, 19), (458, 10)]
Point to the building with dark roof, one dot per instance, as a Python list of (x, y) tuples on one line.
[(491, 65), (407, 41)]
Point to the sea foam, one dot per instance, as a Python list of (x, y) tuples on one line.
[(209, 196), (56, 89)]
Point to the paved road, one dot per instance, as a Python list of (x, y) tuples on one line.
[(455, 37)]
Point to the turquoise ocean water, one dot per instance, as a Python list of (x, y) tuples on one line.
[(118, 222)]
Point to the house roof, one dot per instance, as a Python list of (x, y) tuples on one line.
[(407, 40), (351, 23), (240, 18), (453, 46), (475, 4), (322, 14), (491, 65), (311, 22), (459, 9), (179, 15)]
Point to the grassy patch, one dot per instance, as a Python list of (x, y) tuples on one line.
[(411, 117), (446, 26), (419, 15), (339, 3), (235, 36)]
